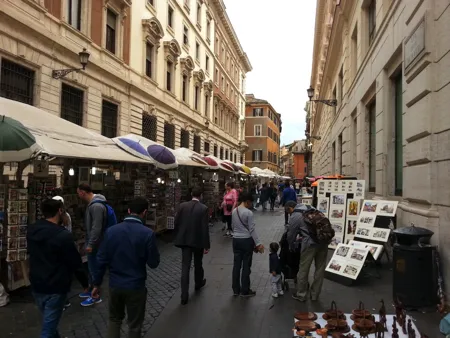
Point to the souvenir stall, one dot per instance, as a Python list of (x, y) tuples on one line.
[(243, 176), (212, 191), (43, 154)]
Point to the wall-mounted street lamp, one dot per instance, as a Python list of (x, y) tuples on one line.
[(84, 58), (331, 103)]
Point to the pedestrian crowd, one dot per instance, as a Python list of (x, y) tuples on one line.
[(126, 249)]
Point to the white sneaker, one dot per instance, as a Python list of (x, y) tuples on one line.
[(281, 293), (275, 295), (227, 233)]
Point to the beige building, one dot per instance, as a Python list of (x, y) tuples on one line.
[(150, 70), (388, 65)]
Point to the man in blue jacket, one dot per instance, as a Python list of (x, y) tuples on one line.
[(127, 249), (288, 195)]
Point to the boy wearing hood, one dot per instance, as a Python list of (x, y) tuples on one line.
[(53, 261), (95, 223)]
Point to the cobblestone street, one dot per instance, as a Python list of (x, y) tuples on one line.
[(214, 312)]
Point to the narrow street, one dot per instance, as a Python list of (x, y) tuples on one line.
[(213, 312)]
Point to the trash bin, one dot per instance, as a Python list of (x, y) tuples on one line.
[(414, 282)]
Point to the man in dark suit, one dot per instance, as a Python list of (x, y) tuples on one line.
[(192, 236)]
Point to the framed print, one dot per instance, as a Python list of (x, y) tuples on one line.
[(13, 207), (367, 220), (381, 235), (374, 249), (336, 213), (23, 219), (342, 251), (347, 260), (13, 219), (335, 242), (11, 256), (335, 266), (13, 231), (350, 228), (323, 205), (338, 228), (352, 208), (387, 208), (12, 243), (370, 206), (338, 199), (351, 271), (360, 188), (363, 231), (23, 206)]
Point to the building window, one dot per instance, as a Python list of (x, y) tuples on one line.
[(151, 2), (222, 83), (206, 105), (257, 155), (16, 82), (72, 100), (372, 14), (275, 158), (109, 119), (227, 92), (199, 13), (341, 85), (216, 77), (185, 35), (354, 142), (258, 112), (221, 153), (149, 126), (257, 130), (333, 158), (399, 135), (111, 24), (149, 60), (169, 76), (235, 158), (197, 144), (184, 92), (269, 156), (206, 147), (354, 52), (169, 135), (226, 154), (197, 51), (208, 29), (74, 13), (334, 98), (170, 17), (197, 98), (184, 138), (207, 63), (215, 150), (372, 146), (341, 153)]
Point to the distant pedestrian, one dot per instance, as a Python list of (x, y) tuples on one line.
[(80, 274), (275, 270), (96, 220), (264, 196), (288, 195), (229, 203), (192, 236), (127, 249), (245, 242), (53, 262), (272, 192)]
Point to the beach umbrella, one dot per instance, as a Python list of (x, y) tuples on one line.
[(211, 162), (189, 157), (163, 156), (17, 144)]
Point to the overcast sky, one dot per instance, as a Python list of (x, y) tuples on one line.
[(278, 38)]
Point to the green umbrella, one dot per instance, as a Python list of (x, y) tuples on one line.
[(17, 144)]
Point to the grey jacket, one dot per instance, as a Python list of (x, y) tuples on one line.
[(246, 228), (94, 221), (298, 226)]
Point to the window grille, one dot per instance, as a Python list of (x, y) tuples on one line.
[(184, 138), (149, 126), (197, 143), (109, 119), (72, 104), (169, 135), (16, 82)]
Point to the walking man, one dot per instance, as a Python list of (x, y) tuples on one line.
[(95, 221), (288, 195), (127, 249), (192, 236), (53, 261), (299, 237)]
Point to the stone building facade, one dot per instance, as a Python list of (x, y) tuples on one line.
[(150, 70), (262, 134), (388, 65)]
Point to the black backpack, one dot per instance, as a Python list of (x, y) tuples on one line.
[(319, 226)]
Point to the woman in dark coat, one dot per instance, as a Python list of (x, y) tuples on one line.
[(264, 196)]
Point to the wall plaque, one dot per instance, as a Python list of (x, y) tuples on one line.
[(415, 44)]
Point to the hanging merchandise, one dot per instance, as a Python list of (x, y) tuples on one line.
[(17, 225)]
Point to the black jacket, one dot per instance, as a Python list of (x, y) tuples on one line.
[(191, 226), (274, 263), (53, 258)]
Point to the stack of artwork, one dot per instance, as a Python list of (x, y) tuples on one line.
[(366, 219), (347, 260)]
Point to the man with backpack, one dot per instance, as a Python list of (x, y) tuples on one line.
[(99, 216), (310, 231)]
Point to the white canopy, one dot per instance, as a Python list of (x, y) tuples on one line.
[(61, 138), (189, 157)]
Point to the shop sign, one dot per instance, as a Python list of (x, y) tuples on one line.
[(415, 44), (40, 168)]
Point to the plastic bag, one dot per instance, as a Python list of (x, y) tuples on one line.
[(4, 297)]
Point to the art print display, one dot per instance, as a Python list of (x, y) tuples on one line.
[(338, 199), (16, 242), (353, 208), (387, 208), (323, 205), (374, 249), (350, 230), (367, 220), (347, 261), (336, 213), (321, 188), (338, 228), (360, 188), (375, 234)]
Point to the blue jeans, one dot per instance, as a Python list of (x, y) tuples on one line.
[(92, 265), (51, 308)]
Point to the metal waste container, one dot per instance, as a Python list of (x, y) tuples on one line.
[(414, 282)]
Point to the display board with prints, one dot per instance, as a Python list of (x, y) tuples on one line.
[(340, 201), (347, 261)]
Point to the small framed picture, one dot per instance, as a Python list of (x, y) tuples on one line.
[(22, 255), (23, 230), (12, 256), (22, 243), (13, 207), (23, 206), (13, 231), (12, 243), (23, 219), (13, 219)]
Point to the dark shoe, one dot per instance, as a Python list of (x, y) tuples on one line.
[(251, 293), (197, 288), (184, 301), (294, 296)]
